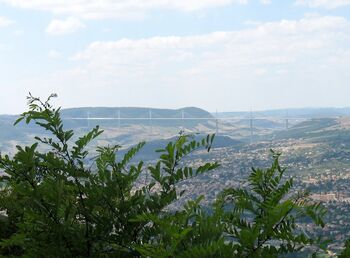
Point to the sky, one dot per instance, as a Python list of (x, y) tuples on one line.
[(224, 55)]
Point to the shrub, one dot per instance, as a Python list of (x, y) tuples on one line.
[(260, 220), (57, 204)]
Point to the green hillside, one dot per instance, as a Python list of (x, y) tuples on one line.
[(142, 116)]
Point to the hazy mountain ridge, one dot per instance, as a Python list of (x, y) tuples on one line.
[(292, 113), (135, 112), (315, 150), (335, 130), (126, 131)]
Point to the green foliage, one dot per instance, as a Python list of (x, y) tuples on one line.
[(62, 203), (258, 221), (190, 232), (58, 204), (262, 219), (346, 252)]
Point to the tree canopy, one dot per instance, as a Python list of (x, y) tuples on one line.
[(58, 201)]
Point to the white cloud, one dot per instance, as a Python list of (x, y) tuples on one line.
[(267, 43), (61, 27), (97, 9), (18, 32), (266, 2), (328, 4), (5, 22), (54, 54), (280, 62)]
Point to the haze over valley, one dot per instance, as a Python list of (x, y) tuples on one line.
[(315, 144)]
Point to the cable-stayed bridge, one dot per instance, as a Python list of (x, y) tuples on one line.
[(151, 117)]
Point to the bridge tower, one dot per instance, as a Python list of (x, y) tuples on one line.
[(217, 123), (150, 121), (88, 119), (251, 126), (182, 120), (118, 116)]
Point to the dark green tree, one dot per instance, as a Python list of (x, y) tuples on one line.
[(346, 252), (56, 204), (260, 220), (55, 201)]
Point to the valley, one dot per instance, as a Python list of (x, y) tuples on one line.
[(315, 149)]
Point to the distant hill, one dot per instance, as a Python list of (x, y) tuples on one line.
[(325, 124), (141, 115), (122, 131), (19, 132), (322, 130), (306, 113), (308, 129), (134, 112), (264, 123)]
